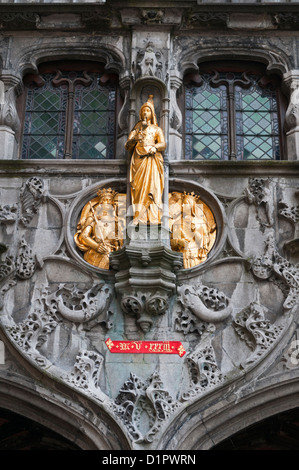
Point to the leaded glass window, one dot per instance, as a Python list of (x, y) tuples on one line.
[(232, 116), (69, 114)]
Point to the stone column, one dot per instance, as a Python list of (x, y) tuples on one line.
[(175, 129), (291, 80), (9, 119)]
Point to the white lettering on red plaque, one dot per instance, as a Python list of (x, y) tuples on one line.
[(146, 347)]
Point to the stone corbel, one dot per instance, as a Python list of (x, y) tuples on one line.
[(9, 120), (291, 81)]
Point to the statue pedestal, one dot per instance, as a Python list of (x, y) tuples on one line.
[(145, 274)]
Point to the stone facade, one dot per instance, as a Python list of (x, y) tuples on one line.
[(236, 314)]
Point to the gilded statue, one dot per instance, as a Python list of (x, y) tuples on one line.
[(100, 229), (146, 142), (192, 227)]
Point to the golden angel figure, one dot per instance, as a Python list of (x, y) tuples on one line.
[(146, 142)]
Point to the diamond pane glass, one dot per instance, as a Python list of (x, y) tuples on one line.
[(253, 132), (206, 119), (44, 124), (257, 123), (92, 120)]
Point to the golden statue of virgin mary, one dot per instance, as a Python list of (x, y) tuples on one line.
[(146, 142)]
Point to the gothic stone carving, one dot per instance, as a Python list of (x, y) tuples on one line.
[(274, 267), (79, 306), (203, 369), (144, 306), (149, 63), (252, 327), (87, 371), (31, 197), (8, 213), (259, 194), (207, 304), (144, 397)]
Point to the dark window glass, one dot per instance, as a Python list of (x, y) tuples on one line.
[(69, 114), (232, 115)]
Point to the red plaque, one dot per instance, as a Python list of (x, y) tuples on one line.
[(146, 347)]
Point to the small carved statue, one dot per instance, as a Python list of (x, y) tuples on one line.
[(100, 229), (146, 142), (193, 228)]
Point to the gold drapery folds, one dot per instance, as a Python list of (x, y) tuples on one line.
[(146, 142)]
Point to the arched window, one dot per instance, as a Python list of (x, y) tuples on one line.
[(70, 112), (233, 111)]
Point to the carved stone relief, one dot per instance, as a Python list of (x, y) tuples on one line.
[(70, 306)]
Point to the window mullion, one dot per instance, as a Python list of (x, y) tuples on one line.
[(70, 108), (231, 121)]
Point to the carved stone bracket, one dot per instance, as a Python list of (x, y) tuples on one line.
[(144, 306), (145, 279)]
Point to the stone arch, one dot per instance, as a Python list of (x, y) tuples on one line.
[(202, 425), (28, 59), (90, 428), (276, 60)]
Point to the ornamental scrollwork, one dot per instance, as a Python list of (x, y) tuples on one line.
[(207, 304), (276, 268), (79, 306)]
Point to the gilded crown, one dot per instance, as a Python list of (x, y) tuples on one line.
[(107, 193)]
